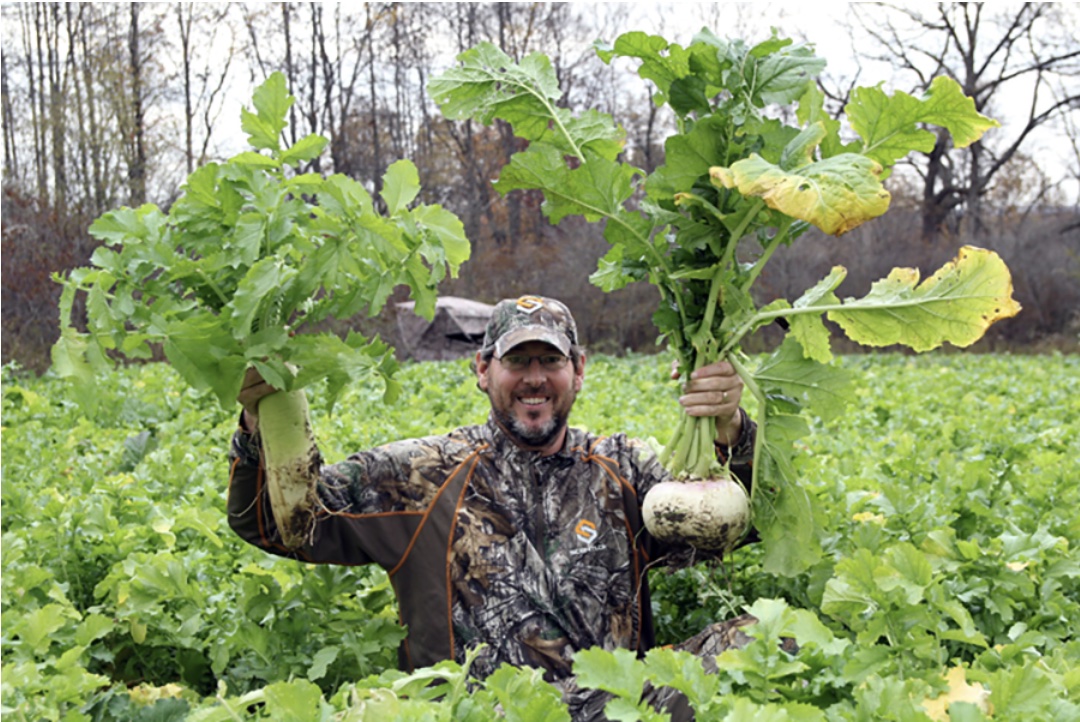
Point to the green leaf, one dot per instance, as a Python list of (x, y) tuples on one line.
[(251, 159), (852, 589), (295, 701), (611, 273), (688, 157), (487, 84), (248, 238), (126, 224), (401, 185), (69, 356), (618, 671), (255, 295), (799, 152), (662, 62), (808, 328), (889, 126), (203, 350), (524, 696), (621, 709), (908, 570), (353, 360), (448, 230), (345, 196), (782, 75), (322, 659), (36, 627), (955, 305), (811, 111), (272, 102), (826, 389), (682, 671), (595, 190), (93, 627), (785, 520), (835, 194), (813, 336), (1020, 691), (307, 148)]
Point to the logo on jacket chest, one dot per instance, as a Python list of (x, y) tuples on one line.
[(586, 533)]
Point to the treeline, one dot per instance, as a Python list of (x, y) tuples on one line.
[(108, 104)]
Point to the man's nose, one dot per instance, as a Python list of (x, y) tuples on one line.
[(534, 372)]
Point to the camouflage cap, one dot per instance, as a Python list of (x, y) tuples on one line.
[(529, 318)]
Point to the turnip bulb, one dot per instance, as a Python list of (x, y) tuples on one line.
[(711, 514)]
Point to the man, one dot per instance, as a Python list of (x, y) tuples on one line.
[(522, 534)]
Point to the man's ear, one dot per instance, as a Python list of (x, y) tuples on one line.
[(481, 372), (579, 373)]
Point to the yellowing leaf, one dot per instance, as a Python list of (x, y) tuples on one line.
[(864, 517), (955, 305), (835, 194), (959, 691), (163, 527), (138, 631)]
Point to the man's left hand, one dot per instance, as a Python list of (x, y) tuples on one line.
[(715, 390)]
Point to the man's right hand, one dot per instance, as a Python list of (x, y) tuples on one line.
[(252, 390)]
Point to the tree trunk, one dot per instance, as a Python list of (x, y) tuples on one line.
[(290, 67), (376, 146), (57, 117), (94, 139), (82, 171), (37, 101), (184, 24), (137, 166), (11, 155)]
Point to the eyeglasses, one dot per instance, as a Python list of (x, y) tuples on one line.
[(521, 361)]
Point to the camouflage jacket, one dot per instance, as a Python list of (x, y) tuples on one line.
[(536, 557)]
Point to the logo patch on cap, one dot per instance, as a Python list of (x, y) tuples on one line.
[(530, 304), (529, 318)]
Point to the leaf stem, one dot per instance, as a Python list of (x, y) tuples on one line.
[(762, 420), (769, 249), (213, 287), (740, 230), (710, 305), (531, 90)]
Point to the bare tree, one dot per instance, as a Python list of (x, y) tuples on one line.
[(11, 155), (203, 86), (1019, 61), (1072, 134)]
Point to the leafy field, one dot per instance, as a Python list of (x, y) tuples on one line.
[(949, 495)]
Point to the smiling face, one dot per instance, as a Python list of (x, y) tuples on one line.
[(531, 405)]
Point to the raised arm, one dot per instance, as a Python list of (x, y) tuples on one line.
[(289, 455)]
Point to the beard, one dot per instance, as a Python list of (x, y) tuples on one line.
[(526, 436), (527, 432)]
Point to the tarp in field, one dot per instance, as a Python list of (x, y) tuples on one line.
[(457, 329)]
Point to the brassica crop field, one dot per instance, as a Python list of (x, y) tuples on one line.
[(950, 585)]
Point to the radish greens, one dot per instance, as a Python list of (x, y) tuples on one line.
[(241, 271), (250, 259)]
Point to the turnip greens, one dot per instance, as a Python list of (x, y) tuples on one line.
[(737, 175)]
